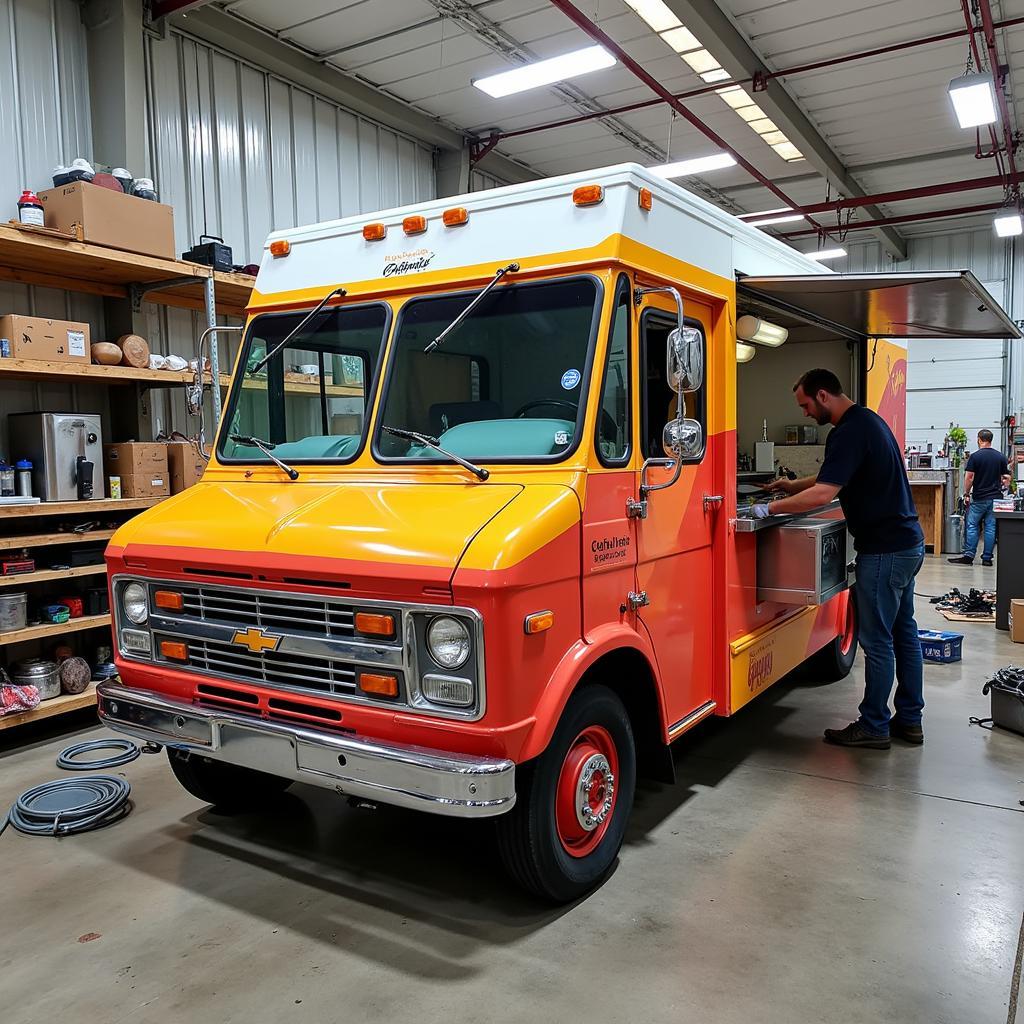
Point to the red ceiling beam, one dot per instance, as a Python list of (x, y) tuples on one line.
[(578, 18), (909, 218), (1004, 109)]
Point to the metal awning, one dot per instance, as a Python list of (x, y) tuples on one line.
[(953, 304)]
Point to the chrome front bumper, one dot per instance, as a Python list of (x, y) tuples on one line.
[(420, 778)]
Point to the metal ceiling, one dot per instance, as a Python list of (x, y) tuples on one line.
[(883, 122)]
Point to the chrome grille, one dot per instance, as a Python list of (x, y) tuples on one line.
[(325, 676), (303, 613)]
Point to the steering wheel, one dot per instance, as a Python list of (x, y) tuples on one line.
[(609, 427)]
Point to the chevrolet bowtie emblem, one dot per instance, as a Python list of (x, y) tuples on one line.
[(257, 640)]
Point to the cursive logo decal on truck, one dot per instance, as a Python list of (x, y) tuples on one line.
[(759, 670), (408, 262), (257, 640)]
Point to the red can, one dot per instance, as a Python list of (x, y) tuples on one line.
[(75, 607)]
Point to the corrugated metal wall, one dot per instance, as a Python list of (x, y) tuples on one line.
[(481, 180), (961, 381), (44, 120)]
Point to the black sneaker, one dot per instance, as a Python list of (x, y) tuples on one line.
[(905, 731), (962, 560), (987, 562), (854, 736)]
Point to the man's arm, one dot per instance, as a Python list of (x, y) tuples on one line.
[(968, 484), (791, 486), (814, 496)]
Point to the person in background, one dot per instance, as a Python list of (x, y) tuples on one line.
[(988, 475), (863, 465)]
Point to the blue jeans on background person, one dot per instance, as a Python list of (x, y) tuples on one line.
[(979, 512), (888, 636)]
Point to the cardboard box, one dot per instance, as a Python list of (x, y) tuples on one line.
[(185, 464), (32, 337), (135, 459), (145, 485), (1017, 621), (106, 217)]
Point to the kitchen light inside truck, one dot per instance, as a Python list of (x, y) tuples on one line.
[(760, 332)]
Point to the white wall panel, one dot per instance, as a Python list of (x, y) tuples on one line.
[(242, 152)]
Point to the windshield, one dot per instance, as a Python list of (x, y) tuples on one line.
[(310, 400), (510, 383)]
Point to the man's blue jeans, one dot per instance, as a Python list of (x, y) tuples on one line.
[(979, 512), (888, 636)]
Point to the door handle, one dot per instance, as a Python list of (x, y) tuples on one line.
[(713, 501)]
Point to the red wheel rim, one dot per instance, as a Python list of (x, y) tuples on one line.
[(586, 793), (848, 628)]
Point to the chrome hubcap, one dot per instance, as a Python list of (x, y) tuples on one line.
[(594, 792)]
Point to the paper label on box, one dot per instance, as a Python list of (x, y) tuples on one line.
[(76, 343), (5, 348), (156, 482)]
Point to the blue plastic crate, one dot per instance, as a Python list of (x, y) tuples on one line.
[(940, 645)]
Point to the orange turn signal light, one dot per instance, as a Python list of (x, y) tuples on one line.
[(370, 624), (588, 195), (374, 232), (414, 225), (538, 622), (382, 686), (174, 650), (280, 247), (455, 216), (169, 599), (645, 199)]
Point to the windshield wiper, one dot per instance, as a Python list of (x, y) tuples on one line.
[(432, 442), (477, 299), (267, 448), (302, 323)]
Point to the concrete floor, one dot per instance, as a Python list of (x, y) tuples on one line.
[(780, 880)]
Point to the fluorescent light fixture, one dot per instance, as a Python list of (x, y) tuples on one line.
[(1008, 224), (681, 168), (766, 213), (824, 255), (718, 75), (782, 218), (763, 125), (974, 100), (544, 72), (744, 352), (701, 61), (788, 151), (761, 332), (751, 112), (774, 138), (734, 96), (656, 13), (682, 40)]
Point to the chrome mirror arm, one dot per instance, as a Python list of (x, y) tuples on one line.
[(194, 392)]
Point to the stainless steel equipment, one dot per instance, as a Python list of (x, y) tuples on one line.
[(65, 449), (44, 675), (802, 562), (952, 541)]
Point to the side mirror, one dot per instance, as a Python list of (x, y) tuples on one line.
[(685, 360), (682, 439)]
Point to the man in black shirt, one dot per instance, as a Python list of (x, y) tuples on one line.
[(864, 466), (987, 474)]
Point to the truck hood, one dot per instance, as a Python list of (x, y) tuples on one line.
[(362, 529)]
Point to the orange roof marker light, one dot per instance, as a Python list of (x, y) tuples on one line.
[(280, 247), (455, 216), (414, 225), (374, 232), (645, 199), (588, 195)]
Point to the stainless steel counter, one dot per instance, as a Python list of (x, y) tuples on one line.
[(746, 523)]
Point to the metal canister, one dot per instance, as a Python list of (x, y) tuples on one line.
[(952, 542), (13, 611), (44, 675), (23, 478)]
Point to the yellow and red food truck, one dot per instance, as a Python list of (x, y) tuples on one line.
[(472, 538)]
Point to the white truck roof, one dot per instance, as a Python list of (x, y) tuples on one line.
[(533, 219)]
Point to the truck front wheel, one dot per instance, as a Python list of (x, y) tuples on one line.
[(573, 801), (229, 787), (835, 660)]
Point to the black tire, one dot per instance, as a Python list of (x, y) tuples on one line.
[(529, 838), (228, 787), (835, 660)]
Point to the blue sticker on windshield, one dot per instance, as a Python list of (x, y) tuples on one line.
[(570, 379)]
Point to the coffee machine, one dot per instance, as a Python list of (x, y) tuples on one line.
[(66, 450)]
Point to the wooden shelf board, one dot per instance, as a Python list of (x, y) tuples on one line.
[(42, 575), (300, 384), (63, 508), (42, 540), (54, 629), (48, 708), (41, 369)]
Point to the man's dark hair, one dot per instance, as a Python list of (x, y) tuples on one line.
[(814, 381), (985, 435)]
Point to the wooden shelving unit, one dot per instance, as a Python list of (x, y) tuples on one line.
[(48, 708), (43, 540), (64, 508), (23, 579), (54, 629)]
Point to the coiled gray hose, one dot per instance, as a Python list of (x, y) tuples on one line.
[(67, 807), (68, 757)]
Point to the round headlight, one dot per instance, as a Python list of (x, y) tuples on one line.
[(135, 603), (448, 642)]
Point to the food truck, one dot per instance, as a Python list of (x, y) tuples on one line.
[(472, 538)]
